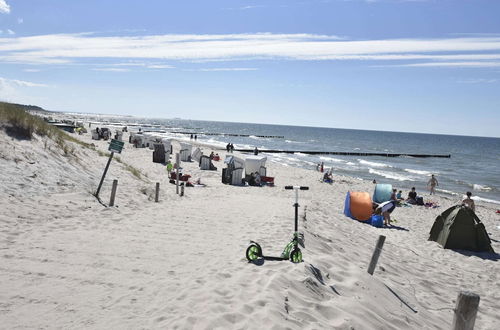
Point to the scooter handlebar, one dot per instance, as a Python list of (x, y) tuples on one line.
[(296, 187)]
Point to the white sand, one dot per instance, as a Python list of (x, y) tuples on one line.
[(69, 262)]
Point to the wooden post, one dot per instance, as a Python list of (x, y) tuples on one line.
[(178, 164), (104, 175), (113, 193), (376, 254), (157, 193), (465, 311), (182, 190)]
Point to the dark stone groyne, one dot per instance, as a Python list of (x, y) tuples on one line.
[(231, 134), (342, 153)]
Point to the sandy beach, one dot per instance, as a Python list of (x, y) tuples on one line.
[(69, 262)]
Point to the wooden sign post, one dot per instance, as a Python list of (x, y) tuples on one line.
[(177, 165), (114, 146)]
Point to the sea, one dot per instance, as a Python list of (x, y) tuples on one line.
[(474, 164)]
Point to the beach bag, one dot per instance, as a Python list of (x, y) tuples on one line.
[(420, 200), (377, 221)]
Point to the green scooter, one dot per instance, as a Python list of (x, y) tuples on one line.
[(292, 251)]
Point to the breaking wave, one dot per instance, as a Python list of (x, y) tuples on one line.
[(365, 162), (390, 175)]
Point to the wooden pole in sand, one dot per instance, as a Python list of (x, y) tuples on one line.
[(104, 175), (376, 254), (113, 193), (465, 311), (182, 190), (177, 165), (157, 192)]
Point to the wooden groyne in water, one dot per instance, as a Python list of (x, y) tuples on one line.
[(342, 153), (231, 134)]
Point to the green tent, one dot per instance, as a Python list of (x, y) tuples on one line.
[(459, 228)]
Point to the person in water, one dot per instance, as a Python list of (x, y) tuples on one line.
[(433, 182), (469, 202)]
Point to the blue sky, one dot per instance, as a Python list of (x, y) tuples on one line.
[(418, 66)]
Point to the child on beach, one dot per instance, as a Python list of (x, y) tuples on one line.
[(327, 177), (399, 195)]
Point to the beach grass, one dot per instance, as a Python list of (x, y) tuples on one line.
[(22, 125)]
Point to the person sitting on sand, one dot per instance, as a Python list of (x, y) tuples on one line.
[(433, 182), (212, 155), (327, 177), (386, 209), (393, 195), (399, 195), (258, 180), (412, 197), (469, 202)]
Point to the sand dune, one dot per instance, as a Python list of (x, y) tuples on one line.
[(69, 262)]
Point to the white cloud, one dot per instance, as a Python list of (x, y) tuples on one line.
[(111, 69), (4, 7), (228, 69), (10, 89), (67, 48), (9, 31), (478, 81), (159, 66), (23, 83), (456, 64), (31, 70)]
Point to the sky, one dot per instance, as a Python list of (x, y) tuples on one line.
[(429, 66)]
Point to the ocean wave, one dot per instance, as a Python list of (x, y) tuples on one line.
[(480, 187), (301, 154), (365, 162), (390, 175), (421, 172), (444, 191), (476, 198), (331, 159)]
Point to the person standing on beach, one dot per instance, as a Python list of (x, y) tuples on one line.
[(386, 209), (433, 182), (469, 202), (228, 146)]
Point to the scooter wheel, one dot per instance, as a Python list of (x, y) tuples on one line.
[(253, 252), (296, 256)]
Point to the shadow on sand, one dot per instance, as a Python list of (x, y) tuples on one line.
[(396, 228), (493, 256)]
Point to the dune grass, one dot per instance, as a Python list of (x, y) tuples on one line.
[(20, 124)]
